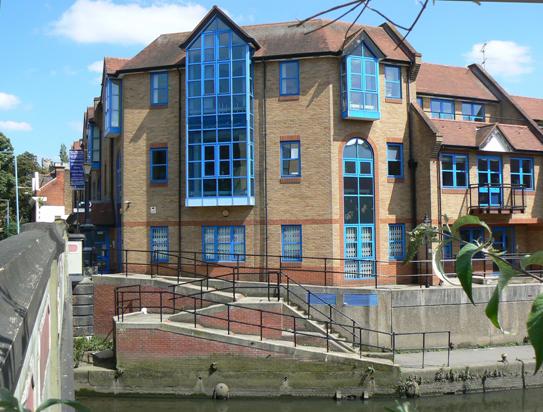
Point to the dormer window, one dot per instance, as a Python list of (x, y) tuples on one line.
[(442, 109), (360, 84), (473, 111)]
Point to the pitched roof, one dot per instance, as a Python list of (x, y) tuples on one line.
[(437, 79), (112, 64), (275, 40), (472, 134), (531, 105)]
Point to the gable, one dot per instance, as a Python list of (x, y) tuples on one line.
[(496, 142)]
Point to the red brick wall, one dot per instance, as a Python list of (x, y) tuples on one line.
[(54, 190)]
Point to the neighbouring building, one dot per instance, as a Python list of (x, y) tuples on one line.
[(274, 144), (51, 194)]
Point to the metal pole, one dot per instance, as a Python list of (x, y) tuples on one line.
[(294, 317), (423, 347), (228, 318), (261, 324), (449, 350), (17, 195), (327, 337)]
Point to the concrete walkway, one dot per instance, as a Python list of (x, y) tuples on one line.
[(466, 357)]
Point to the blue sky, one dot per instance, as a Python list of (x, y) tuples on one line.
[(49, 49)]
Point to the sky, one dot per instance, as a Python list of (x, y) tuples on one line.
[(51, 50)]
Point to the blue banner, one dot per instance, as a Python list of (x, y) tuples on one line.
[(77, 173)]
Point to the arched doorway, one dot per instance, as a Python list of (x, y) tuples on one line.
[(359, 214)]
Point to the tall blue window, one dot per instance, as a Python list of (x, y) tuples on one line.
[(420, 102), (442, 109), (396, 241), (358, 209), (93, 142), (223, 243), (159, 242), (454, 170), (290, 159), (393, 82), (291, 243), (112, 116), (448, 246), (522, 172), (360, 84), (159, 165), (159, 88), (395, 159), (220, 165), (473, 111), (472, 235), (289, 78)]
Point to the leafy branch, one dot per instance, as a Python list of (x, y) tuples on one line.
[(464, 270)]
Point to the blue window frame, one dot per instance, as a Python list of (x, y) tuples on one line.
[(472, 235), (160, 244), (219, 102), (393, 82), (291, 243), (454, 170), (289, 78), (522, 172), (360, 84), (291, 162), (396, 241), (159, 88), (159, 165), (223, 243), (419, 102), (395, 159), (447, 247), (503, 238), (473, 111), (113, 100), (442, 109)]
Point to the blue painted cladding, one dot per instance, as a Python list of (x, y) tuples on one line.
[(321, 298), (365, 299)]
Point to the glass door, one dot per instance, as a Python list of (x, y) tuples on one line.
[(489, 171)]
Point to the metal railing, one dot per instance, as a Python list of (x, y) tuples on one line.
[(501, 197)]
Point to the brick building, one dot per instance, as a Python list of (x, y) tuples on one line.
[(270, 146)]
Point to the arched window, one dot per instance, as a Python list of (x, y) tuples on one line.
[(360, 84), (359, 216)]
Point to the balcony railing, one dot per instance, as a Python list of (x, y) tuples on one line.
[(496, 198)]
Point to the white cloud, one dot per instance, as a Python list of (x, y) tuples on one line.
[(103, 21), (8, 101), (96, 67), (12, 126), (503, 58)]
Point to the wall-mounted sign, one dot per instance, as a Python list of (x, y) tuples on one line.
[(77, 174)]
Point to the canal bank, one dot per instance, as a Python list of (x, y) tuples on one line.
[(471, 371)]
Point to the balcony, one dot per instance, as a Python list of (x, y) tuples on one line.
[(497, 198)]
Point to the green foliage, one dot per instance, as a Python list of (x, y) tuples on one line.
[(464, 267), (464, 270), (63, 154), (10, 403), (535, 330), (89, 344)]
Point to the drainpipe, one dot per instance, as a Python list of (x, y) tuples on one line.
[(264, 134), (181, 167)]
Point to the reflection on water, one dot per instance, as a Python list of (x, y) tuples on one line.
[(509, 401)]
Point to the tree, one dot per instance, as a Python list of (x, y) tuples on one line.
[(464, 270), (63, 153), (27, 165), (7, 184)]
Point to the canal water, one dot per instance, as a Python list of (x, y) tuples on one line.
[(508, 401)]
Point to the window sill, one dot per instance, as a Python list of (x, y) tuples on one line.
[(458, 191), (158, 106), (290, 180), (395, 179), (158, 184), (289, 98), (393, 100), (291, 264)]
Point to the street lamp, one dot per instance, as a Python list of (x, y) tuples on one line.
[(86, 170), (16, 189)]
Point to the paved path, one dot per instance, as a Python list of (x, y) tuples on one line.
[(466, 357)]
